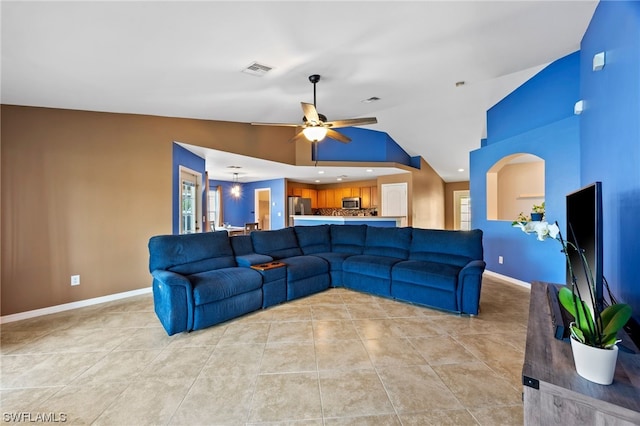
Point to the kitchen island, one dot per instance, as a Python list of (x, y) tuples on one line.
[(382, 221)]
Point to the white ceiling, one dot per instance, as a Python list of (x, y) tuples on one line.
[(184, 59)]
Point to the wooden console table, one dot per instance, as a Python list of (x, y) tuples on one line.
[(554, 394)]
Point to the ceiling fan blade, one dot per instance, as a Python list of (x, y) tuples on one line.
[(310, 113), (351, 122), (298, 135), (337, 136), (277, 124)]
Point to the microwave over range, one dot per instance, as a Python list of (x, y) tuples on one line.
[(352, 203)]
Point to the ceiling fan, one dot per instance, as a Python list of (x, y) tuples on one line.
[(315, 126)]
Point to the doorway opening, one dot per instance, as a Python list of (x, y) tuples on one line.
[(461, 210), (263, 208), (190, 201)]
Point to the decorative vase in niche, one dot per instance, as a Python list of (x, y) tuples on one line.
[(594, 364), (536, 217)]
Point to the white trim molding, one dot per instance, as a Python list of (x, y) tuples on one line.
[(73, 305)]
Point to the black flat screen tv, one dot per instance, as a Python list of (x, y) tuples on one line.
[(584, 230)]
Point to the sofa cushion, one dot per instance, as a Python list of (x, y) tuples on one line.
[(211, 286), (451, 247), (348, 238), (370, 265), (191, 253), (390, 242), (278, 244), (314, 239), (300, 267), (428, 274)]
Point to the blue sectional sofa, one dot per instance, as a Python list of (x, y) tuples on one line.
[(202, 279)]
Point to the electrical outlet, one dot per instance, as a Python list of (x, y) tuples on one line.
[(75, 279), (500, 260)]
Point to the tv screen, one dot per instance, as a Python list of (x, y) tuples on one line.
[(584, 230)]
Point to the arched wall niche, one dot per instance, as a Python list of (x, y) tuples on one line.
[(514, 184)]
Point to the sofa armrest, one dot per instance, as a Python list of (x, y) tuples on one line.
[(469, 286), (173, 301)]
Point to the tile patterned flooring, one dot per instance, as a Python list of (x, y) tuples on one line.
[(335, 358)]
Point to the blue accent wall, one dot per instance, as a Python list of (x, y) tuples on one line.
[(610, 134), (238, 211), (184, 157), (602, 144), (365, 145), (553, 134), (547, 97)]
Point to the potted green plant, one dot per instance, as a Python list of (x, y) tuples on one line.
[(537, 212), (593, 334)]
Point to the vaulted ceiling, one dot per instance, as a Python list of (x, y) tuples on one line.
[(185, 59)]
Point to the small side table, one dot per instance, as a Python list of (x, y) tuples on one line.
[(274, 282)]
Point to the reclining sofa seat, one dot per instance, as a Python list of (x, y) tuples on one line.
[(197, 282), (444, 270), (333, 243), (371, 271), (305, 275)]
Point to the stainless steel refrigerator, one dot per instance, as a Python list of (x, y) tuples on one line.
[(298, 206)]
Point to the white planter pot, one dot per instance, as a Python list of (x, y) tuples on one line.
[(594, 364)]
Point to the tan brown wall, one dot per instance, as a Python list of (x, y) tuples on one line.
[(520, 186), (428, 198), (449, 188), (82, 192)]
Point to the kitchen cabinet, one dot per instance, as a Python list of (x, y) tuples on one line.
[(322, 199), (365, 197), (374, 197), (312, 194), (297, 192)]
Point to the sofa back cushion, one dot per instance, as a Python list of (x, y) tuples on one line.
[(451, 247), (314, 239), (278, 244), (191, 253), (348, 238), (390, 242)]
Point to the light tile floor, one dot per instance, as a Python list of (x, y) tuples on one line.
[(334, 358)]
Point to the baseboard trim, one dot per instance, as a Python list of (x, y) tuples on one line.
[(508, 279), (73, 305)]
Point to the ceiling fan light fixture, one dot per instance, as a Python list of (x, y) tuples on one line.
[(315, 133)]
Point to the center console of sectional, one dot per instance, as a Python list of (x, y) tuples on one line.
[(203, 279)]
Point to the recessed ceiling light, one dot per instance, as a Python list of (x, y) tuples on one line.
[(339, 178), (317, 180), (369, 170), (461, 170), (320, 172)]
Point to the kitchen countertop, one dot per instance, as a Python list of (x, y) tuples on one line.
[(346, 218), (386, 221)]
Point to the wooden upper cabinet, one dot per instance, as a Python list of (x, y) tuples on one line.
[(365, 197), (297, 191), (374, 196), (322, 199), (313, 194)]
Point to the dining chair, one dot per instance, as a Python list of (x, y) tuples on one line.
[(249, 227)]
